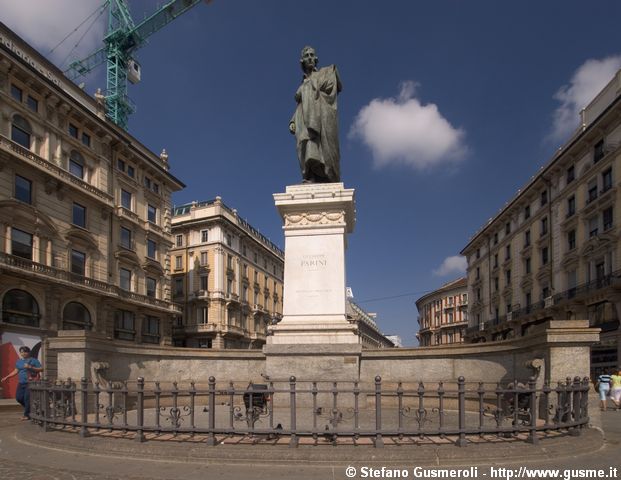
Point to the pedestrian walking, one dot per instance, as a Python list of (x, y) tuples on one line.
[(27, 369), (603, 387), (615, 389)]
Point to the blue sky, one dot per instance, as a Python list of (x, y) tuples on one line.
[(447, 108)]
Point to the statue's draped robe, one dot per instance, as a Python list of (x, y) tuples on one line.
[(316, 128)]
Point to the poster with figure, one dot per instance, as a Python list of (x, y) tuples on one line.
[(9, 354)]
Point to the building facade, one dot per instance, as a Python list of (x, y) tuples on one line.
[(227, 277), (369, 333), (553, 251), (443, 314), (85, 215)]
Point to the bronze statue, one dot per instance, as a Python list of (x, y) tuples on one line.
[(314, 122)]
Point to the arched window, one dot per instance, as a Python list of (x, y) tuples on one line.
[(76, 164), (76, 317), (20, 308), (21, 131)]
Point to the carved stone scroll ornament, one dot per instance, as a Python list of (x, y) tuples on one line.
[(315, 218), (98, 376)]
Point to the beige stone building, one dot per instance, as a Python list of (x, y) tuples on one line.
[(553, 251), (227, 276), (443, 314), (369, 334), (85, 215)]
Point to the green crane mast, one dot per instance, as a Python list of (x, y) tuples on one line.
[(122, 40)]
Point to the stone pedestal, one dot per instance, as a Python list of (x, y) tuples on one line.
[(317, 218)]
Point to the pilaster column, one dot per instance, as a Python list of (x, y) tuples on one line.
[(7, 240)]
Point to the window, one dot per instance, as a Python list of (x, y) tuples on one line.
[(204, 236), (130, 171), (126, 238), (21, 131), (204, 258), (124, 325), (496, 284), (151, 285), (607, 218), (204, 343), (478, 273), (229, 261), (32, 103), (507, 252), (125, 277), (16, 93), (179, 240), (507, 228), (78, 263), (76, 165), (126, 199), (244, 251), (544, 256), (120, 164), (151, 214), (526, 212), (229, 239), (203, 282), (21, 244), (508, 277), (73, 130), (527, 238), (571, 206), (593, 227), (528, 299), (545, 292), (592, 191), (20, 308), (244, 293), (178, 262), (478, 294), (571, 240), (598, 151), (151, 249), (178, 291), (544, 197), (607, 180), (150, 329), (147, 182), (86, 139), (544, 226), (76, 317), (23, 189), (229, 287), (156, 188), (495, 260), (572, 280), (78, 215), (527, 265), (571, 174)]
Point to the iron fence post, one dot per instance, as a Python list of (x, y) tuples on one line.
[(461, 402), (46, 405), (192, 405), (481, 393), (84, 400), (441, 408), (379, 441), (546, 402), (139, 410), (585, 400), (576, 402), (532, 437), (211, 415), (293, 442)]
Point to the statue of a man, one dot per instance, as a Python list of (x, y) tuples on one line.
[(314, 122)]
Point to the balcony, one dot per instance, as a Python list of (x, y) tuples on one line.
[(54, 170), (200, 328), (156, 229), (63, 277), (123, 212), (234, 330), (258, 336), (202, 295)]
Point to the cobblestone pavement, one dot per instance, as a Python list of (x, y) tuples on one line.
[(24, 457)]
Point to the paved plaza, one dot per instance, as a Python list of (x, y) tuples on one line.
[(26, 452)]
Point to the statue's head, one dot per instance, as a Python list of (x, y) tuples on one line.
[(308, 59)]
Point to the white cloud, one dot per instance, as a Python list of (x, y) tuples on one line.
[(586, 82), (403, 131), (455, 265), (44, 23)]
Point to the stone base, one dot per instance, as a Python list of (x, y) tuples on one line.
[(317, 219)]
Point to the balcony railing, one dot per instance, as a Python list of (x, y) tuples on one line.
[(26, 265), (54, 170)]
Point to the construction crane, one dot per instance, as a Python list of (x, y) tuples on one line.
[(122, 40)]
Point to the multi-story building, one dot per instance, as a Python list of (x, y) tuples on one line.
[(369, 333), (85, 215), (443, 314), (227, 276), (553, 251)]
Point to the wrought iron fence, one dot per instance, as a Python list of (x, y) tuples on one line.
[(331, 410)]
